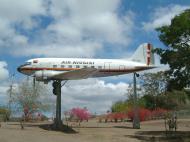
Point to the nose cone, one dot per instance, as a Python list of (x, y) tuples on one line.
[(19, 69)]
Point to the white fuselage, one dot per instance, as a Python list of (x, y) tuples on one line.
[(47, 68)]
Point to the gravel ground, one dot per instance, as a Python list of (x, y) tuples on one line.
[(91, 131)]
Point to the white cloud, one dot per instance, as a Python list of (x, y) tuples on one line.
[(17, 11), (162, 16), (78, 28), (15, 15), (86, 19), (8, 36), (4, 96), (61, 8), (94, 94), (4, 73), (84, 49)]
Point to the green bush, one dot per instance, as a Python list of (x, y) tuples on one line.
[(4, 114)]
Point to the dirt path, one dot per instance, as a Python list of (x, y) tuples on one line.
[(91, 131)]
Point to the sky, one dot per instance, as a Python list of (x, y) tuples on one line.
[(80, 28)]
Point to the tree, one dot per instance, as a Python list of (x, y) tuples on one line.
[(155, 94), (4, 113), (120, 106), (179, 99), (80, 113), (126, 105), (30, 99), (177, 38), (153, 83)]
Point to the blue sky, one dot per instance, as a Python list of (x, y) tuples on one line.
[(80, 28)]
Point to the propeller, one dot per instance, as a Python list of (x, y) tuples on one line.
[(27, 78), (34, 82)]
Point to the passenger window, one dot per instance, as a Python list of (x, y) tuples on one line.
[(70, 66), (62, 66), (92, 67), (84, 66), (35, 61), (99, 67), (54, 66), (77, 66)]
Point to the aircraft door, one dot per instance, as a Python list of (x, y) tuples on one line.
[(121, 67), (107, 65)]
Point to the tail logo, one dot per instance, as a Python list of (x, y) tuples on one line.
[(148, 53)]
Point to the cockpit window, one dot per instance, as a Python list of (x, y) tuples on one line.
[(27, 63)]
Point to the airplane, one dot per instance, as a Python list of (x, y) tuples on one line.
[(47, 69)]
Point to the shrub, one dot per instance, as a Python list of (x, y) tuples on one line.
[(80, 113), (146, 114), (5, 114), (116, 116)]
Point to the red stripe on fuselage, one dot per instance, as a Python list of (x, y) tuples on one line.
[(55, 69), (100, 70)]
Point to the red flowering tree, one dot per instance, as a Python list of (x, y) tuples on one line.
[(159, 113), (146, 114), (80, 113), (29, 100)]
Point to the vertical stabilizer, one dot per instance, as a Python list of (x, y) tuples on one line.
[(144, 54)]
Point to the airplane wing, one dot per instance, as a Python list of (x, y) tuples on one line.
[(76, 74)]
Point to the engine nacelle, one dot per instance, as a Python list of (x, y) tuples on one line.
[(45, 75)]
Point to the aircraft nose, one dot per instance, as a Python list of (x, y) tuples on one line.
[(19, 69)]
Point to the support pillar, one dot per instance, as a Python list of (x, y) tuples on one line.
[(57, 91), (136, 121)]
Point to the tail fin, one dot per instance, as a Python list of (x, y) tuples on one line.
[(144, 54)]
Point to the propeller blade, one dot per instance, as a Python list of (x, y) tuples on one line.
[(34, 82)]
